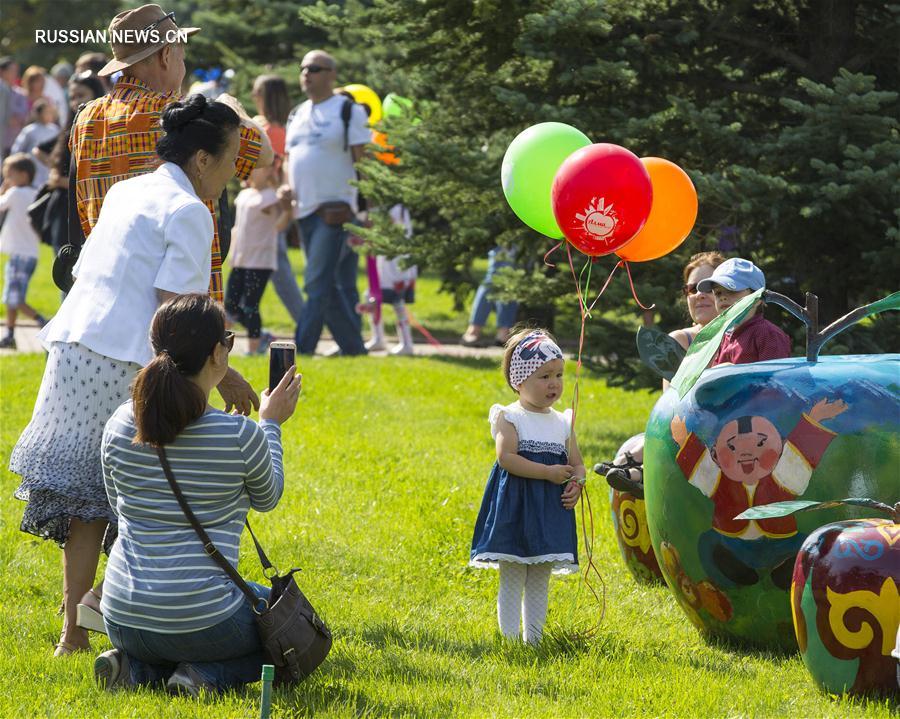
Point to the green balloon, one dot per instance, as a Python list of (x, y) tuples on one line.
[(529, 166), (394, 105)]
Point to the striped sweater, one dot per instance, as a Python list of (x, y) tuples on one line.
[(158, 576)]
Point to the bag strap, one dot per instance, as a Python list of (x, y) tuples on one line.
[(75, 232), (208, 545), (263, 559), (225, 225)]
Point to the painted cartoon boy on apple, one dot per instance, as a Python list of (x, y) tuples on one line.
[(750, 465)]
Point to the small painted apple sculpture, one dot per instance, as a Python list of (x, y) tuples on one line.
[(845, 601), (633, 537), (629, 515)]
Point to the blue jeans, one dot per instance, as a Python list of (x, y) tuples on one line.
[(226, 655), (328, 288), (285, 283), (482, 306), (348, 265)]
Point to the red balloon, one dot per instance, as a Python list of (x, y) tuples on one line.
[(601, 198)]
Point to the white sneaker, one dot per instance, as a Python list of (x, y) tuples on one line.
[(112, 671), (375, 345), (403, 350)]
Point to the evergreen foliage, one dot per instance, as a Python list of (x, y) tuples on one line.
[(784, 115)]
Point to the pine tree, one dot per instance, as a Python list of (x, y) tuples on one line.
[(793, 150)]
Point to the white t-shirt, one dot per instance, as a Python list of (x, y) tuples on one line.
[(319, 168), (30, 137), (17, 236), (254, 237), (153, 233)]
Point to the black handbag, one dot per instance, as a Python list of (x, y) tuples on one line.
[(294, 637)]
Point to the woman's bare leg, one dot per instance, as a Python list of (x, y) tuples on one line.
[(80, 557)]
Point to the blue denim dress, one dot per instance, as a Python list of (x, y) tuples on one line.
[(522, 520)]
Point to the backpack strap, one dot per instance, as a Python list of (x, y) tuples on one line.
[(346, 114)]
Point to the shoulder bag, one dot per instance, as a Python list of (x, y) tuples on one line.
[(294, 637)]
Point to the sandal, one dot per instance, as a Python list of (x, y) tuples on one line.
[(87, 617), (63, 649)]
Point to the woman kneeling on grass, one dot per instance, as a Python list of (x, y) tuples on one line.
[(171, 613)]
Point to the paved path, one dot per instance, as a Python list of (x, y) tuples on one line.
[(27, 342)]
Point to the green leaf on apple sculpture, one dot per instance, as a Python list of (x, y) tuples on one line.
[(785, 509), (707, 342)]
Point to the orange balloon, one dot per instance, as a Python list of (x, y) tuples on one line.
[(387, 157), (672, 214)]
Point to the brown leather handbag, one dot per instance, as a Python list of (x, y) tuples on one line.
[(294, 637), (335, 213)]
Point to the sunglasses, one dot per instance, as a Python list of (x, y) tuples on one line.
[(690, 289), (228, 340), (152, 25), (313, 69)]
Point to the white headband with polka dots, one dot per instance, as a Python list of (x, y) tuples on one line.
[(535, 350)]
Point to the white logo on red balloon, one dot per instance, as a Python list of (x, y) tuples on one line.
[(598, 220)]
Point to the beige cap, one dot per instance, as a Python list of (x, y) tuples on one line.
[(143, 23)]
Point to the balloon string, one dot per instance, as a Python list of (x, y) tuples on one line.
[(633, 293), (583, 309), (605, 285), (589, 552), (586, 285), (551, 251), (586, 521)]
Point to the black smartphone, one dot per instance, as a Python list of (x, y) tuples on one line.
[(281, 359)]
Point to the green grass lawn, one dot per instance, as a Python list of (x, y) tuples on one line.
[(386, 462)]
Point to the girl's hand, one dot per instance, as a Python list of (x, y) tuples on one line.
[(560, 473), (571, 494)]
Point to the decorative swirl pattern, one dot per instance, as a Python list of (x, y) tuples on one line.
[(633, 524), (882, 607), (870, 550)]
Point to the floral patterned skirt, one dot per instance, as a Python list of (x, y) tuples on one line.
[(58, 454)]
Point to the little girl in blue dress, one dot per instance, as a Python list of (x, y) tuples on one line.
[(526, 526)]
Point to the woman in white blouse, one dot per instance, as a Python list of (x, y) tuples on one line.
[(152, 241)]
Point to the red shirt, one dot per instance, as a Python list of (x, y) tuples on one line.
[(754, 341)]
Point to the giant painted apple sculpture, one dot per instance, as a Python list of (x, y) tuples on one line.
[(750, 435)]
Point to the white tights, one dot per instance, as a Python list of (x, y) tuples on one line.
[(523, 589), (404, 332)]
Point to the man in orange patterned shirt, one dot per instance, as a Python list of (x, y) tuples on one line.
[(114, 137)]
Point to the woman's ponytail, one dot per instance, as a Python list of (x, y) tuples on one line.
[(184, 333)]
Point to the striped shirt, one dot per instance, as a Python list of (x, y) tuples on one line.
[(158, 576), (114, 138)]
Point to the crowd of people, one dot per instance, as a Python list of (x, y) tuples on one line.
[(315, 152), (137, 172)]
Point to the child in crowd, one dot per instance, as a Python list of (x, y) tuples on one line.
[(42, 128), (526, 526), (398, 287), (260, 214), (18, 240), (755, 339)]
